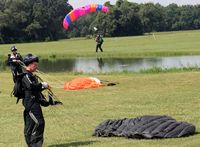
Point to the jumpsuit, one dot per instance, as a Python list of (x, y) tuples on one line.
[(33, 117)]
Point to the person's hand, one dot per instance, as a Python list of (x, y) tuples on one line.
[(45, 85)]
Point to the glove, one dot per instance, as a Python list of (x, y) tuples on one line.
[(45, 85)]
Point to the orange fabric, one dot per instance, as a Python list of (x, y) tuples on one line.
[(93, 7), (72, 16), (81, 83)]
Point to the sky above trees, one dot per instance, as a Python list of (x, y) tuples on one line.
[(79, 3)]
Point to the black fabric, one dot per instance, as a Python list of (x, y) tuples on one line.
[(18, 90), (34, 126), (33, 91), (148, 127)]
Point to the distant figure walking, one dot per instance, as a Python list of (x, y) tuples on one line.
[(14, 60), (99, 42)]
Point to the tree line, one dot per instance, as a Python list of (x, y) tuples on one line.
[(41, 20)]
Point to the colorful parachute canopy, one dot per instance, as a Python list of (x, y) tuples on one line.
[(81, 83), (76, 13)]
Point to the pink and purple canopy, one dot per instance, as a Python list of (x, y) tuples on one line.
[(76, 13)]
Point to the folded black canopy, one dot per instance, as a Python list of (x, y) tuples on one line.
[(144, 127)]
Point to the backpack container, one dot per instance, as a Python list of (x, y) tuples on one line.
[(18, 90)]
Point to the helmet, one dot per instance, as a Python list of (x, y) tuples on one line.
[(13, 48), (29, 58)]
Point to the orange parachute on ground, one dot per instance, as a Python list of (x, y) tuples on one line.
[(81, 83)]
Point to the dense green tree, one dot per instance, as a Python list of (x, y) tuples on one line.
[(152, 17), (28, 20), (172, 14), (47, 16), (122, 20), (128, 20), (196, 16)]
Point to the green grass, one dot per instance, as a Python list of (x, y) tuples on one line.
[(165, 44), (175, 94), (167, 70), (156, 91)]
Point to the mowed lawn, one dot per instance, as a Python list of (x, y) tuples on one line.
[(159, 44), (174, 94)]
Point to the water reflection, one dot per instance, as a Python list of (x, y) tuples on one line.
[(64, 65), (100, 63), (95, 65)]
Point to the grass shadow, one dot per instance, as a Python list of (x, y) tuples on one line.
[(73, 144)]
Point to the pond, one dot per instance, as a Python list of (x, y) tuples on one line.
[(105, 65)]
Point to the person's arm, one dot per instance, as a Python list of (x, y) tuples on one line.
[(30, 85)]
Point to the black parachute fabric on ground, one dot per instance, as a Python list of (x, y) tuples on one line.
[(148, 127)]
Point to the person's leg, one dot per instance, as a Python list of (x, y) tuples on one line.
[(100, 48), (97, 46), (38, 130), (28, 126), (34, 127)]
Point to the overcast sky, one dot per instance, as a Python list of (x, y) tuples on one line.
[(80, 3)]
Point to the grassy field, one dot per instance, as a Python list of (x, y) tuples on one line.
[(175, 94), (153, 92), (164, 44)]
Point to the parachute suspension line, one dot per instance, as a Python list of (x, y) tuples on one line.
[(54, 81), (50, 92), (60, 83), (49, 89), (60, 120)]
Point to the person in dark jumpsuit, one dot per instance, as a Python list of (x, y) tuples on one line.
[(14, 60), (99, 42), (33, 117)]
